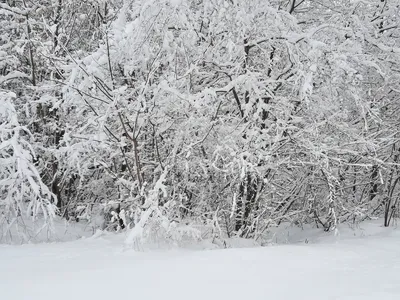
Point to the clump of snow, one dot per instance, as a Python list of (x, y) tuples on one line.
[(175, 3)]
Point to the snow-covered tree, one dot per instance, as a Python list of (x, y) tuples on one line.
[(24, 198)]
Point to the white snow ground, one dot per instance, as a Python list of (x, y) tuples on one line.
[(343, 267)]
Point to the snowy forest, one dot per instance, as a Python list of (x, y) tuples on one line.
[(175, 119)]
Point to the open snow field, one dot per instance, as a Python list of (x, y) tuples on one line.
[(100, 268)]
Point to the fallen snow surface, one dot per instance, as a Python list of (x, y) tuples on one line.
[(99, 268)]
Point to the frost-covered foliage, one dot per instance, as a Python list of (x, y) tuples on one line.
[(252, 112)]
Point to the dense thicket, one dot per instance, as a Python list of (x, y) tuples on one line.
[(227, 115)]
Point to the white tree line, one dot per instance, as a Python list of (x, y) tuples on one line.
[(246, 114)]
